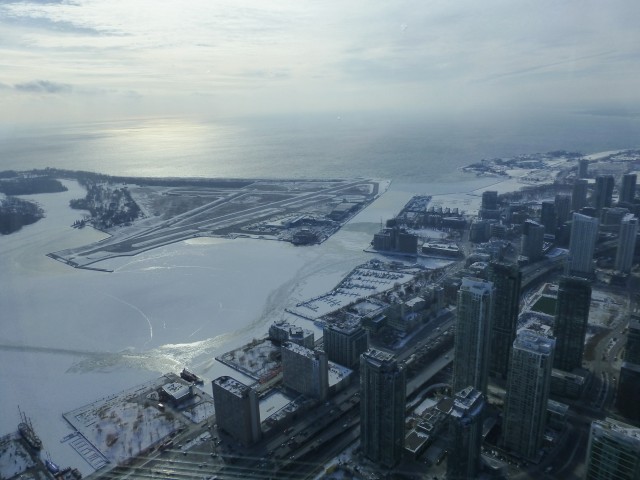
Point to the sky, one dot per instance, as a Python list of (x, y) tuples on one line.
[(97, 59)]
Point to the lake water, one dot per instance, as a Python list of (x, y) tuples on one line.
[(406, 150)]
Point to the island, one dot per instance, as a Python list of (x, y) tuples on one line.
[(17, 212), (140, 214)]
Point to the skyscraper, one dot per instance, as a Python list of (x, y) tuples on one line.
[(562, 203), (614, 451), (626, 243), (612, 216), (489, 206), (582, 245), (628, 398), (579, 194), (382, 407), (473, 335), (489, 200), (548, 217), (628, 188), (583, 168), (506, 278), (344, 342), (465, 431), (527, 394), (305, 371), (604, 192), (237, 409), (570, 327), (632, 350), (532, 240)]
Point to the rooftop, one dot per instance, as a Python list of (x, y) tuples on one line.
[(378, 357), (299, 349), (414, 301), (631, 366), (232, 385), (346, 327), (555, 372), (467, 402), (557, 407), (442, 246), (530, 341), (476, 285), (176, 390), (337, 373), (620, 430), (291, 328)]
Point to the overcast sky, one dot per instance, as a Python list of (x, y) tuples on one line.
[(98, 59)]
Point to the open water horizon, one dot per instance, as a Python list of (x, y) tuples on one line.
[(402, 149)]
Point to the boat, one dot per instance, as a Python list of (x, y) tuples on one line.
[(28, 433), (190, 377)]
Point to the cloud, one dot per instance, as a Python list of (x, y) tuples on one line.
[(43, 86), (310, 56), (41, 15), (53, 25)]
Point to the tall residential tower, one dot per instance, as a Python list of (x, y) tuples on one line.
[(382, 407), (628, 398), (584, 233), (626, 243), (473, 335), (237, 411), (614, 451), (570, 327), (628, 188), (506, 278), (579, 194), (465, 431), (344, 342), (604, 192), (527, 394), (305, 371)]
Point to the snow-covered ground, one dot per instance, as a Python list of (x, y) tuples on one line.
[(14, 458), (272, 403), (361, 283)]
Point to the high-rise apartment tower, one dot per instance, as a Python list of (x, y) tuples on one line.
[(473, 334), (525, 410), (305, 371), (506, 279), (584, 234), (614, 451), (344, 342), (626, 243), (604, 192), (465, 432), (579, 194), (237, 409), (382, 407), (628, 188), (570, 327)]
